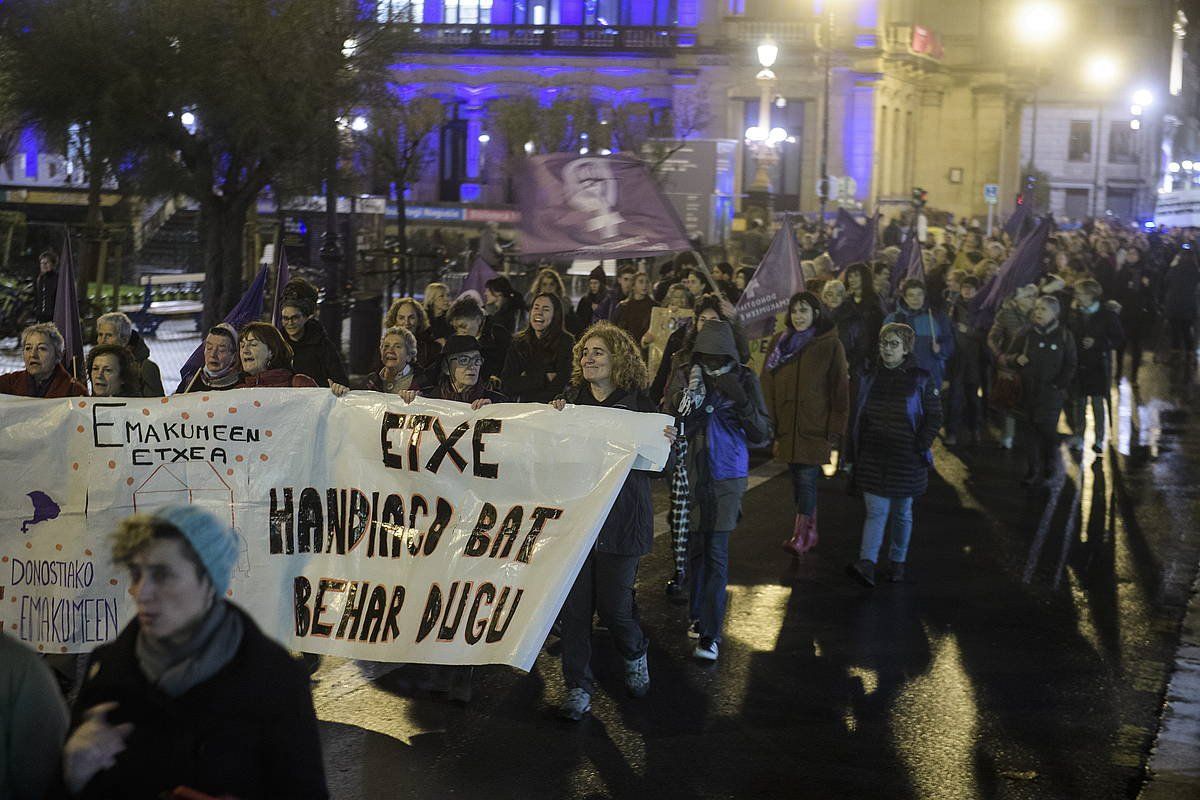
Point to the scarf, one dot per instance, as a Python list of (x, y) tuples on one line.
[(789, 347), (177, 668), (1047, 329), (469, 395), (402, 381)]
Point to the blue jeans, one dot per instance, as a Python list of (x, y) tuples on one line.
[(710, 580), (892, 513), (804, 487)]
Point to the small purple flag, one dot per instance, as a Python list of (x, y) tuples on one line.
[(248, 309), (1015, 223), (594, 207), (777, 278), (66, 314), (282, 274), (909, 264), (477, 277), (853, 242), (1022, 267)]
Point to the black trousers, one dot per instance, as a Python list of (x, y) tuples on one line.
[(605, 585), (1041, 448)]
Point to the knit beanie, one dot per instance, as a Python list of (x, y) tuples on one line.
[(214, 542)]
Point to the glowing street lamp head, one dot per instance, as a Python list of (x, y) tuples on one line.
[(1040, 21), (359, 124), (1102, 71), (768, 51), (1143, 98)]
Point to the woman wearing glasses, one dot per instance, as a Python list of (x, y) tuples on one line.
[(462, 364), (897, 416)]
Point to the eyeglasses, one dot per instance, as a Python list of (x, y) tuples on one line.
[(292, 317), (467, 361), (890, 343)]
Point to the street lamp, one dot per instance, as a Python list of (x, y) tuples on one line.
[(761, 138), (1101, 72), (1038, 23)]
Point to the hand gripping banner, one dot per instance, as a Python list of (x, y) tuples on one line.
[(369, 528), (594, 206)]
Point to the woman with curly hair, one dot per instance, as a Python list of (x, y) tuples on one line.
[(608, 371), (408, 313)]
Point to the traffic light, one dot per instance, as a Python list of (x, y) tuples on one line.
[(919, 196)]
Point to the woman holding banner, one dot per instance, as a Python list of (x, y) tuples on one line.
[(112, 372), (267, 360), (807, 389), (608, 372), (191, 693), (397, 349)]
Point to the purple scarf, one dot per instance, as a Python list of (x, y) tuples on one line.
[(789, 346)]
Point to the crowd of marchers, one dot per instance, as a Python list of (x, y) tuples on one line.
[(193, 700)]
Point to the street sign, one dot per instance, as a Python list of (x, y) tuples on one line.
[(991, 193)]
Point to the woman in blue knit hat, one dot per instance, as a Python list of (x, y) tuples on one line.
[(191, 693)]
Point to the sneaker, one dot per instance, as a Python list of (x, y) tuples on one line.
[(706, 650), (693, 630), (637, 676), (896, 573), (577, 704), (862, 571)]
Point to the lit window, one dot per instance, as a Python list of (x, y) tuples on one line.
[(400, 11)]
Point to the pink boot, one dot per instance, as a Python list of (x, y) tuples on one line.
[(796, 544), (810, 533)]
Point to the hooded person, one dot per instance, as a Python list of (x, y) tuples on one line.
[(314, 353), (222, 365), (597, 287), (934, 345), (191, 693), (721, 406)]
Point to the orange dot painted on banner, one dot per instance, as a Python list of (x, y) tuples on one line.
[(165, 400), (58, 547), (13, 598), (62, 649), (129, 481), (257, 404), (229, 471), (204, 399), (211, 415), (29, 545), (79, 428), (75, 466), (270, 434), (112, 465), (145, 412), (112, 581), (4, 560), (82, 404), (185, 415), (239, 458), (229, 592), (87, 552), (233, 409), (262, 456), (14, 626), (40, 646)]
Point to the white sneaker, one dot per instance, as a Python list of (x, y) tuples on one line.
[(637, 676), (706, 650), (577, 704)]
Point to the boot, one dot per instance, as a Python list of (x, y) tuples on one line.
[(810, 533), (796, 544)]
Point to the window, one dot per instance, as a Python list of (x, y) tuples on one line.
[(467, 12), (1120, 203), (1076, 203), (400, 11), (1079, 148), (1121, 144)]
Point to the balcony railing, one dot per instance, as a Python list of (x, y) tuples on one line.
[(551, 37)]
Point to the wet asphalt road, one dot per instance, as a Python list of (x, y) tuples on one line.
[(1026, 657)]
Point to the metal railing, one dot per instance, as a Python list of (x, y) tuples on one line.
[(551, 37)]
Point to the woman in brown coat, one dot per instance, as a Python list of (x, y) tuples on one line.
[(807, 390)]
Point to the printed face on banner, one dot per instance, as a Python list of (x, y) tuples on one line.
[(366, 527), (591, 187)]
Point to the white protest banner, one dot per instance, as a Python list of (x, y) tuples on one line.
[(369, 528)]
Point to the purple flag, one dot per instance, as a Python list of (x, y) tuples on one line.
[(66, 314), (1022, 267), (777, 278), (909, 264), (477, 277), (1016, 222), (594, 207), (248, 309), (853, 242), (282, 274)]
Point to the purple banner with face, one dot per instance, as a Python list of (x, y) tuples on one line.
[(777, 278), (594, 207)]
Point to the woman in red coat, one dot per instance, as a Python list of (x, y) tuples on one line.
[(267, 360)]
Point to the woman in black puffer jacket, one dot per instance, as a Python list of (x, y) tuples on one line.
[(898, 413)]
